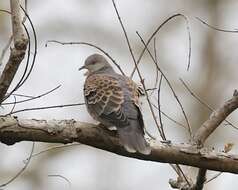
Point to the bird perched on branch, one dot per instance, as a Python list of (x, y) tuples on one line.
[(113, 100)]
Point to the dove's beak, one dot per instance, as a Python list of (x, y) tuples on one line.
[(83, 67)]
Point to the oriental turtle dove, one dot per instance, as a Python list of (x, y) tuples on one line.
[(113, 100)]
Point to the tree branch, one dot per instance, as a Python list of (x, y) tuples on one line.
[(14, 130), (216, 118), (207, 128), (17, 53)]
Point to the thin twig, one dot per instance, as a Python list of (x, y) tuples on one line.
[(35, 47), (46, 107), (189, 42), (149, 134), (22, 95), (170, 86), (169, 118), (124, 31), (178, 168), (62, 177), (88, 44), (149, 102), (22, 170), (138, 71), (150, 105), (51, 149), (14, 104), (193, 94), (213, 177), (5, 11), (32, 98), (216, 28), (157, 72), (159, 103), (156, 31), (181, 173)]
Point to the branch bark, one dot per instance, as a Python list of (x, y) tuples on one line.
[(17, 53), (14, 130)]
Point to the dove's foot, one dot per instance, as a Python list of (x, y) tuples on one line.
[(110, 128)]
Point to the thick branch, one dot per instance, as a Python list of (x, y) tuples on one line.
[(13, 130), (17, 53), (216, 118)]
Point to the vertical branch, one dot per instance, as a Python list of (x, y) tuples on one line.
[(201, 178), (17, 29), (17, 53)]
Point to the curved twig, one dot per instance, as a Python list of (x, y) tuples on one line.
[(193, 94), (46, 107), (32, 97), (170, 86), (216, 28), (88, 44), (22, 170), (156, 31), (61, 177)]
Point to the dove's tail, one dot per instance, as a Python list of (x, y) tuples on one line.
[(132, 138)]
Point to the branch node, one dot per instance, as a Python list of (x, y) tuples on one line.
[(21, 44)]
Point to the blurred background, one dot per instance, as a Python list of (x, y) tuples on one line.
[(212, 75)]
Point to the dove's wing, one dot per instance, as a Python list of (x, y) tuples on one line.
[(104, 98)]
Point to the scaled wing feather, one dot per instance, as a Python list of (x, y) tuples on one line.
[(105, 96)]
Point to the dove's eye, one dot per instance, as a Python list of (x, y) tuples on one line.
[(93, 62)]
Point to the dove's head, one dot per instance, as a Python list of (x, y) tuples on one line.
[(95, 63)]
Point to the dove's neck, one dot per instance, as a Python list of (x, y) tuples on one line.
[(104, 70)]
